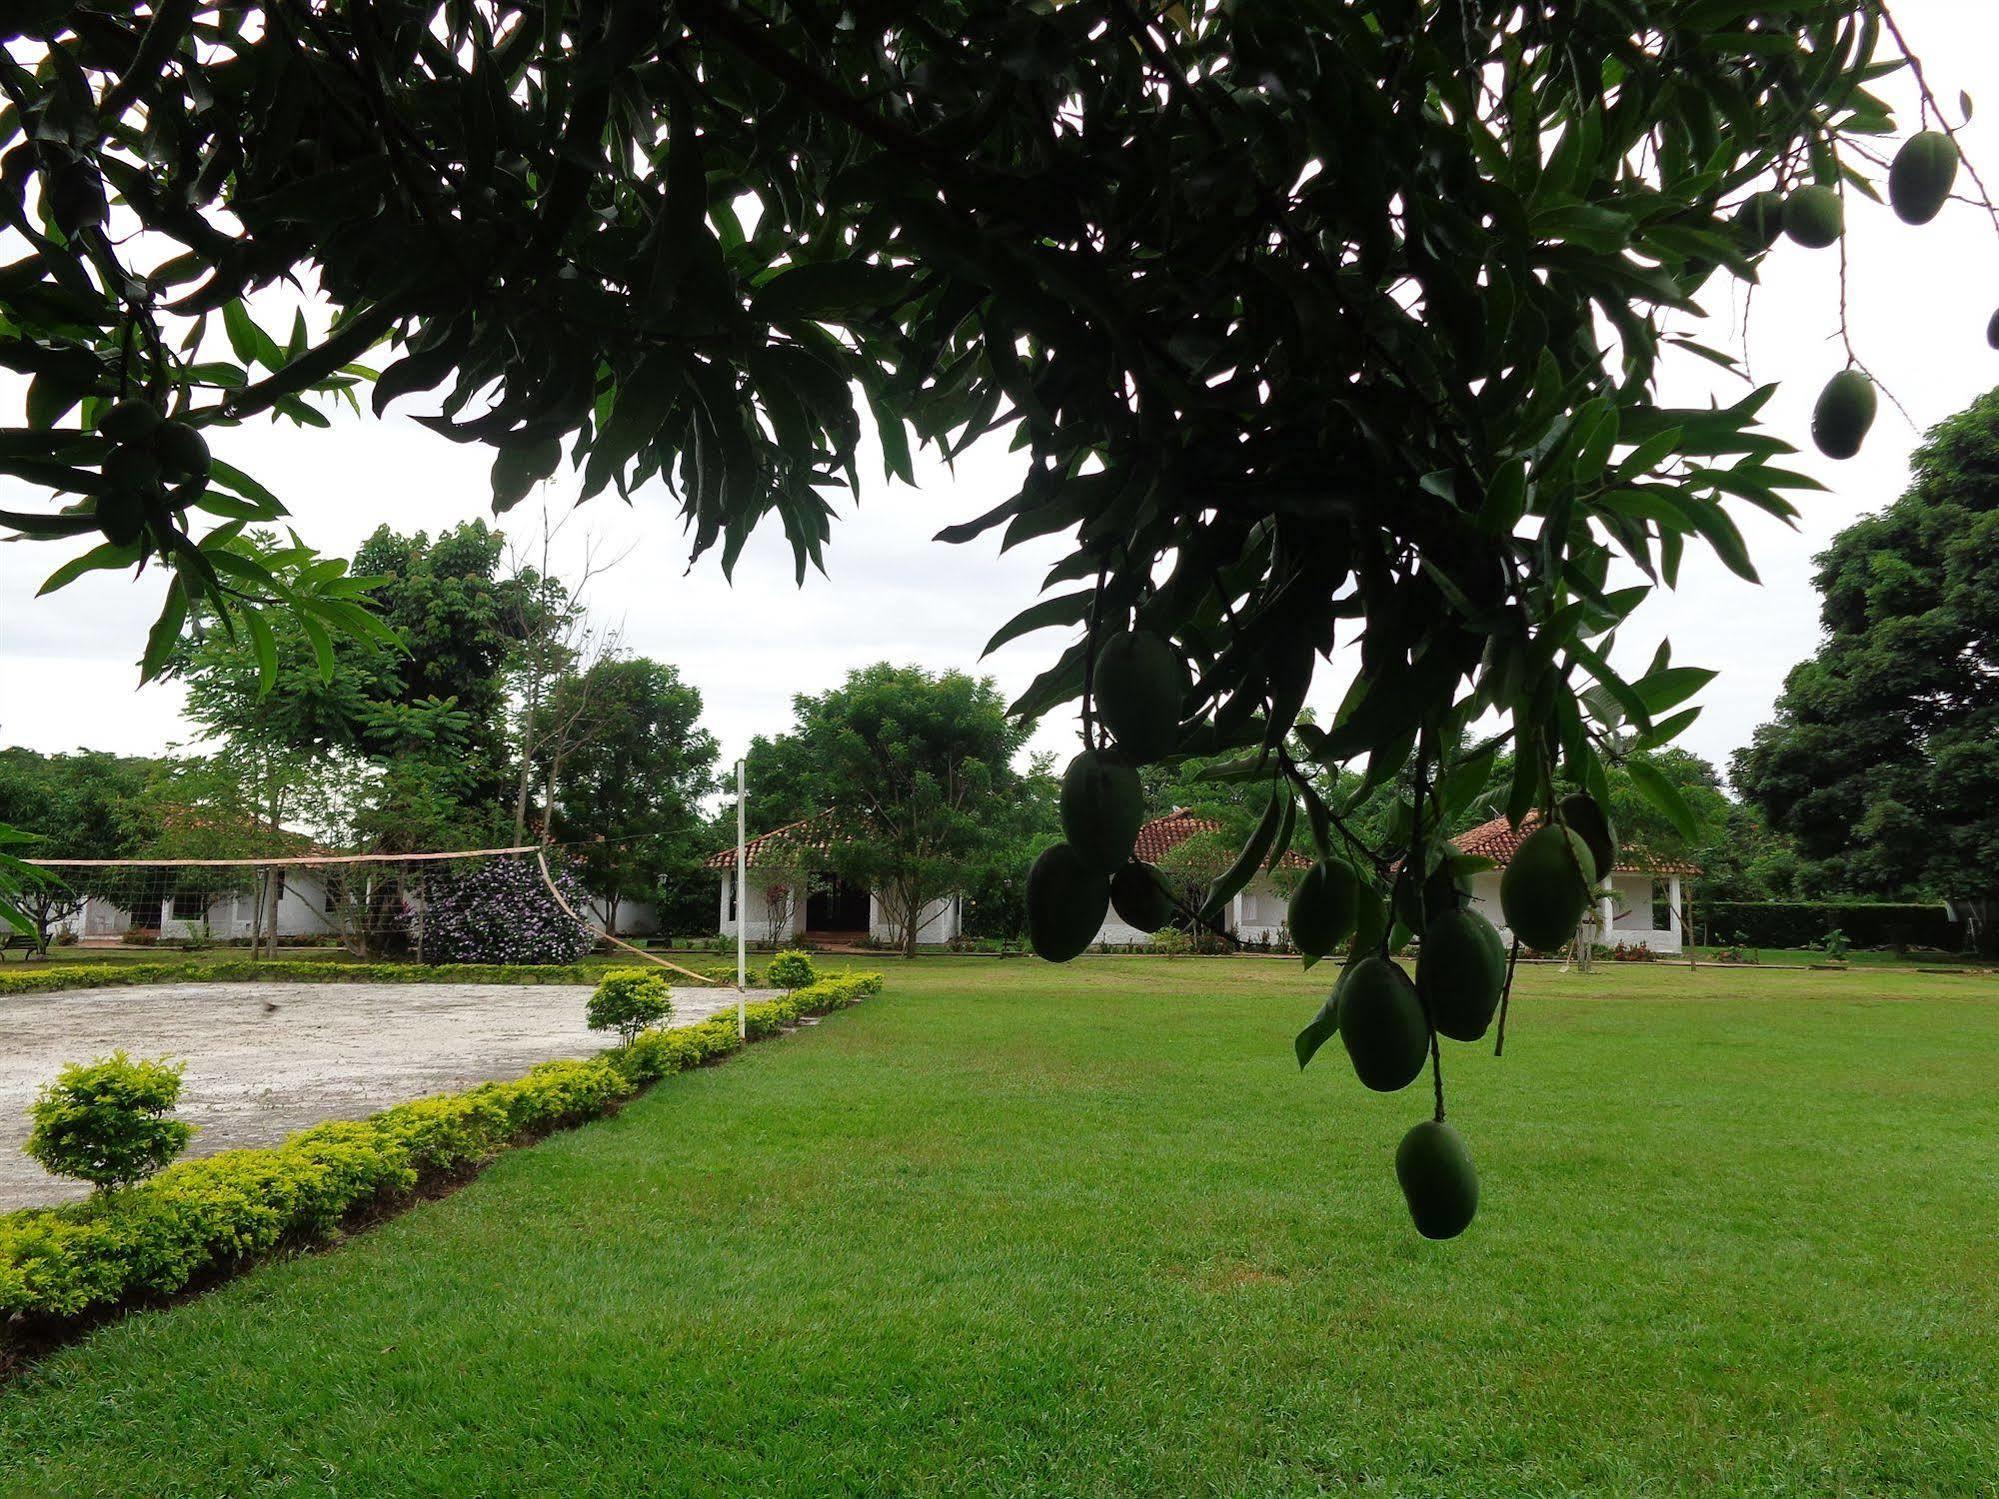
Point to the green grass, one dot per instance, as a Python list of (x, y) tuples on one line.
[(1088, 1231)]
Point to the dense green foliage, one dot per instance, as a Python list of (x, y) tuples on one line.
[(223, 1210), (105, 1122), (887, 1256), (1807, 923), (629, 784), (916, 771), (1883, 758), (80, 806)]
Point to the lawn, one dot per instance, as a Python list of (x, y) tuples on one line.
[(1019, 1229)]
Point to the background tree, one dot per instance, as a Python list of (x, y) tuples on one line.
[(1025, 823), (628, 794), (554, 642), (78, 806), (1883, 757), (917, 769)]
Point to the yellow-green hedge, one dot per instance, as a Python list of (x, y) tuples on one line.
[(220, 1211)]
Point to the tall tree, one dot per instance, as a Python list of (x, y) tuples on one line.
[(629, 791), (80, 806), (918, 768), (413, 715), (1883, 757)]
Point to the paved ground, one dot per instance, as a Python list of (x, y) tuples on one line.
[(264, 1059)]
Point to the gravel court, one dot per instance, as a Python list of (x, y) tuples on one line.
[(265, 1059)]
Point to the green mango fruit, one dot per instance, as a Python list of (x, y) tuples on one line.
[(1546, 888), (1140, 684), (76, 198), (132, 420), (1588, 821), (1438, 1180), (132, 468), (1992, 330), (121, 516), (1460, 972), (1103, 806), (1381, 1021), (1761, 219), (1138, 895), (1921, 176), (1814, 216), (182, 451), (1067, 897), (1323, 907), (1844, 412)]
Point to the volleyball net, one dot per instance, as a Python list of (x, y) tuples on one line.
[(504, 905)]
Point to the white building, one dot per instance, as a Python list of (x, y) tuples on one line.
[(1645, 905), (1257, 914), (306, 908), (794, 896)]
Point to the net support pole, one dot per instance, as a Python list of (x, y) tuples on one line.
[(742, 907)]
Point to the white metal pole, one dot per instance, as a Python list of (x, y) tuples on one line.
[(742, 905)]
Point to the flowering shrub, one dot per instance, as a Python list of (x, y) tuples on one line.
[(499, 911), (105, 1122), (628, 1001)]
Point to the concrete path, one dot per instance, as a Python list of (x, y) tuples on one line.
[(265, 1059)]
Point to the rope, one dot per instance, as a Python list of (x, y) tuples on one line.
[(541, 859)]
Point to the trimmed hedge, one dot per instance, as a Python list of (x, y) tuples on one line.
[(42, 978), (219, 1212), (1804, 923)]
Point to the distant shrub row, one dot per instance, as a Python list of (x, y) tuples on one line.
[(40, 978), (219, 1212), (1805, 923)]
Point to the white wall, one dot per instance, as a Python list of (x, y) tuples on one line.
[(757, 899), (1623, 916), (1257, 915), (941, 920)]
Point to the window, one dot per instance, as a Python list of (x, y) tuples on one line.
[(1662, 905), (188, 907), (331, 903)]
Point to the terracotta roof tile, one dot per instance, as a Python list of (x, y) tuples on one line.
[(1499, 840), (809, 835), (1174, 829)]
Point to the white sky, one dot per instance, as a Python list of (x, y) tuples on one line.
[(1918, 302)]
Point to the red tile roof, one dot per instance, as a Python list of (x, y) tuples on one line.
[(817, 834), (1499, 840), (1176, 827), (810, 835)]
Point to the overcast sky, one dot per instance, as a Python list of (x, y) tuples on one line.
[(1918, 304)]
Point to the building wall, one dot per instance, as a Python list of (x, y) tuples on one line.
[(636, 918), (1257, 915), (942, 919), (301, 913), (1623, 916), (757, 899)]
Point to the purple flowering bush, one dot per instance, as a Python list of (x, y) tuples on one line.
[(499, 911)]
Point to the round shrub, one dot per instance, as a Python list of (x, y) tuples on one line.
[(790, 970), (629, 1001), (105, 1122), (499, 911)]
